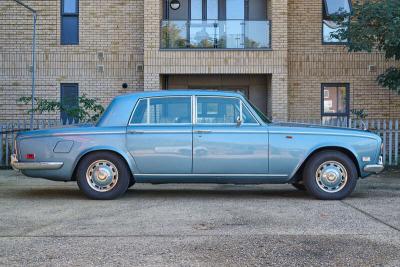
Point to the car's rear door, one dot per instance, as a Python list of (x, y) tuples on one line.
[(221, 146), (159, 135)]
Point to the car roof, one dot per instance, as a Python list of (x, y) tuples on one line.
[(174, 92)]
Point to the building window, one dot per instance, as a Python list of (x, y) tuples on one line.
[(331, 8), (216, 24), (335, 102), (69, 98), (69, 22)]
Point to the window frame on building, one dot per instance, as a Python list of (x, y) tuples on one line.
[(345, 114), (249, 19), (65, 119), (65, 36), (326, 18)]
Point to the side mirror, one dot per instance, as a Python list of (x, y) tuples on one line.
[(239, 121)]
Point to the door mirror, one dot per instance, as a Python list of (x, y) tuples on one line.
[(239, 121)]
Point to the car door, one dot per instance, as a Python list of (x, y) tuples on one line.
[(221, 145), (159, 135)]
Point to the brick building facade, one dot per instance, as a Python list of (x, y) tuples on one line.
[(277, 57)]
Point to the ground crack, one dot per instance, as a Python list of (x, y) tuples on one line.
[(371, 216)]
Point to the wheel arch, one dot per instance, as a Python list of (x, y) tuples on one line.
[(297, 176), (107, 150)]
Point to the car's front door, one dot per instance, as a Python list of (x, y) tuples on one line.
[(221, 145), (159, 135)]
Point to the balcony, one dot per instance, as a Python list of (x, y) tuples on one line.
[(215, 34)]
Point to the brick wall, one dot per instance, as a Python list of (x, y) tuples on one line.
[(112, 27), (311, 63), (128, 34)]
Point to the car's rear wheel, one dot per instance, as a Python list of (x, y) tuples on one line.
[(330, 175), (103, 175)]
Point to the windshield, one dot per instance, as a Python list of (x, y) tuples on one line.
[(259, 113)]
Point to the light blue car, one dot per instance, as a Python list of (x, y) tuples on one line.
[(197, 137)]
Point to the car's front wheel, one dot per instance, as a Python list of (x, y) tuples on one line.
[(330, 175), (103, 175)]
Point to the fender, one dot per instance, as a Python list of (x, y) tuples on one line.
[(124, 154), (326, 145)]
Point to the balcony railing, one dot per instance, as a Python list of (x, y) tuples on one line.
[(215, 34)]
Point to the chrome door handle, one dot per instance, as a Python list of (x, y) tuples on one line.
[(202, 131), (135, 132)]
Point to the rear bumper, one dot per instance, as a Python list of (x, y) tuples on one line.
[(375, 168), (34, 165)]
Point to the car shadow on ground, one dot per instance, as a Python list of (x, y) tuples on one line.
[(166, 193)]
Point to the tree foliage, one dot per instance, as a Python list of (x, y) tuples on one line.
[(374, 26), (87, 110)]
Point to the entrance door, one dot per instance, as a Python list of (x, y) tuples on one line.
[(159, 136), (221, 146)]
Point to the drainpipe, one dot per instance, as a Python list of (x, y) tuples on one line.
[(34, 13)]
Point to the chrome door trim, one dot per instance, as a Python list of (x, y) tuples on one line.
[(213, 175), (158, 131)]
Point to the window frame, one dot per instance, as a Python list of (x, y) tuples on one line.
[(347, 99), (70, 15), (241, 103), (74, 120), (148, 99), (325, 18)]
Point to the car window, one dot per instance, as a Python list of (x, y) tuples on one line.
[(217, 110), (140, 114), (247, 116), (163, 110)]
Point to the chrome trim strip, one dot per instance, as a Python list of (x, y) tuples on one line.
[(158, 131), (319, 133), (34, 165), (70, 134), (213, 174)]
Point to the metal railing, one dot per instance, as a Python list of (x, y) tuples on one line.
[(387, 129), (217, 34)]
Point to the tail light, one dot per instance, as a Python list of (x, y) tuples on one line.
[(30, 156)]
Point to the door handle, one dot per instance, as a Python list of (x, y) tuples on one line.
[(135, 132), (202, 131)]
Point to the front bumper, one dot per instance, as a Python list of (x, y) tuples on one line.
[(375, 168), (34, 165)]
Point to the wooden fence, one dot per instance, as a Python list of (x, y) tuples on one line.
[(387, 129)]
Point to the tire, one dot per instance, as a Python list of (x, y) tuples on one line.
[(299, 186), (330, 175), (103, 176), (131, 183)]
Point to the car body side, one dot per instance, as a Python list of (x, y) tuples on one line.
[(288, 146)]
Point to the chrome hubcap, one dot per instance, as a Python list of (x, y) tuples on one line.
[(102, 175), (331, 176)]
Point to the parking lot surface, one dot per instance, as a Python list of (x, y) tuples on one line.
[(52, 223)]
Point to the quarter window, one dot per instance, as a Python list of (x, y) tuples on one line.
[(222, 110), (335, 102), (330, 8), (69, 22), (162, 110)]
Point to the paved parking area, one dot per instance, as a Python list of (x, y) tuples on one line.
[(50, 223)]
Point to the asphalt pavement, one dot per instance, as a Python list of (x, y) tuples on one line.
[(52, 223)]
